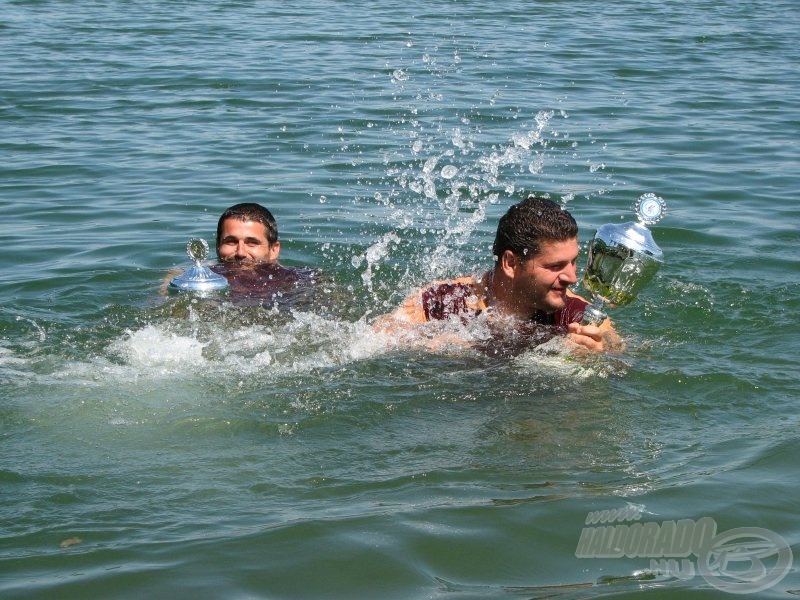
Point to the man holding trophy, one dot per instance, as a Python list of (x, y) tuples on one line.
[(536, 252)]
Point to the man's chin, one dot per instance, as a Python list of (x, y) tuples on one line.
[(557, 301), (238, 261)]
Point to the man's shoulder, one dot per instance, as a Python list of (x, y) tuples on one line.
[(442, 300)]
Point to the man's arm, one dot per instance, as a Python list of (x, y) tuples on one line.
[(406, 327), (409, 314), (172, 274)]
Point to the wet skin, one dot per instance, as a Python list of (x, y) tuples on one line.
[(246, 241)]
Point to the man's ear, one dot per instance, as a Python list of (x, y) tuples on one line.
[(274, 251), (509, 263)]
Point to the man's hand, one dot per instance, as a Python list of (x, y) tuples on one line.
[(172, 274), (600, 338)]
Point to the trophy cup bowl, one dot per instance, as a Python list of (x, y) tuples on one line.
[(622, 260), (198, 278)]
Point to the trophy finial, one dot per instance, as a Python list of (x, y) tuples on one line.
[(197, 249), (650, 208)]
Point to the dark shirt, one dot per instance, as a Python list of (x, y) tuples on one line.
[(445, 300), (267, 284), (456, 299)]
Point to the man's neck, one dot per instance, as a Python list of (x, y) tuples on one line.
[(497, 288), (498, 292)]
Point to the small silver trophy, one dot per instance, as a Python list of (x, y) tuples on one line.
[(622, 260), (198, 278)]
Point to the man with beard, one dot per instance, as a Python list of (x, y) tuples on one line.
[(248, 248), (536, 251)]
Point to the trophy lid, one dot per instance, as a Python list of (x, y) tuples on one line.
[(198, 278), (635, 236)]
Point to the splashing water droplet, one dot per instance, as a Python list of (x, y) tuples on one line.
[(449, 171), (430, 165)]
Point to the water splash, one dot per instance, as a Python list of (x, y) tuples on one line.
[(437, 195), (373, 256), (160, 351)]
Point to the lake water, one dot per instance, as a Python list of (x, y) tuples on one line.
[(171, 447)]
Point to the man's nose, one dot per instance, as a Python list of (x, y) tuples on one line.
[(570, 274), (240, 249)]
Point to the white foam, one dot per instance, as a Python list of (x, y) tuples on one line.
[(12, 367), (260, 353), (555, 358), (7, 357), (155, 349)]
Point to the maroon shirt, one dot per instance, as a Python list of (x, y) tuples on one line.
[(446, 300), (267, 283), (456, 299)]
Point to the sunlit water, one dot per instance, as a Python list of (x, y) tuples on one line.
[(169, 446)]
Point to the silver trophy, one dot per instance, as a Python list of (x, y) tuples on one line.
[(622, 260), (198, 278)]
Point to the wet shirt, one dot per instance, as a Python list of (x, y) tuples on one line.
[(463, 298), (440, 301), (445, 300), (267, 283)]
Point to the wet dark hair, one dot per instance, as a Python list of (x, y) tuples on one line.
[(250, 211), (527, 224)]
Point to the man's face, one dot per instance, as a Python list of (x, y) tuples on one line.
[(541, 282), (246, 241)]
